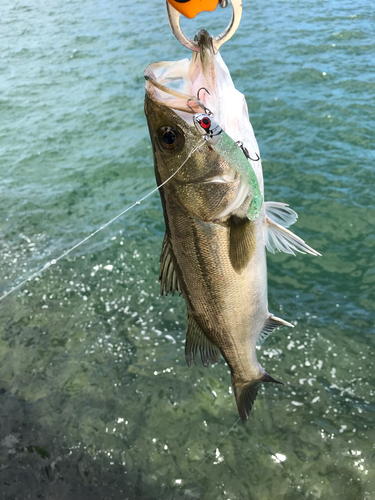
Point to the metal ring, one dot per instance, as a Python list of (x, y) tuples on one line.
[(217, 41), (223, 3)]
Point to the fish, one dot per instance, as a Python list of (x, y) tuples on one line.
[(214, 252)]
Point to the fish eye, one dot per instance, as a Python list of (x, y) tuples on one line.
[(169, 138)]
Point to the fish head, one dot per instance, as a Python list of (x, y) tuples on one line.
[(190, 173), (172, 138), (203, 85)]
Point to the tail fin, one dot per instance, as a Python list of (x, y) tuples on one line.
[(246, 394)]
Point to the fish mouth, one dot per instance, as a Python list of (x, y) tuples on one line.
[(167, 96), (176, 84)]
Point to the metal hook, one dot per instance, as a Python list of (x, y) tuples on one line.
[(202, 88), (217, 41), (252, 159), (188, 105), (246, 152), (206, 110), (199, 102)]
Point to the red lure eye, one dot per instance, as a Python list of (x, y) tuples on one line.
[(205, 122)]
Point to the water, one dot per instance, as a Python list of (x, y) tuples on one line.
[(96, 401)]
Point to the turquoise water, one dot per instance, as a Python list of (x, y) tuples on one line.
[(96, 400)]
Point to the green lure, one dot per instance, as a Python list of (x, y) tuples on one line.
[(232, 153)]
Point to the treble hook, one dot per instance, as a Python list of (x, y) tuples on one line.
[(246, 152), (202, 88), (200, 103)]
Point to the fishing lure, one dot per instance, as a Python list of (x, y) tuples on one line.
[(233, 153)]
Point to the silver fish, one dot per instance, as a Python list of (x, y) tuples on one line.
[(212, 253)]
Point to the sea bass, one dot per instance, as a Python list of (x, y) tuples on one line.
[(214, 251)]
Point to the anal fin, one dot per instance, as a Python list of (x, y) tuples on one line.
[(242, 243), (196, 341), (270, 325), (167, 275)]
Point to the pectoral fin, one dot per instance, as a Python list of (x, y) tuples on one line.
[(167, 276), (269, 326), (242, 243), (196, 341), (280, 213), (280, 238)]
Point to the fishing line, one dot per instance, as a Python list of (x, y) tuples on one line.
[(209, 454), (67, 252)]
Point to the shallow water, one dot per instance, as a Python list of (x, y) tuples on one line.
[(96, 400)]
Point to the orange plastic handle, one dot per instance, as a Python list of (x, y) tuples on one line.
[(190, 8)]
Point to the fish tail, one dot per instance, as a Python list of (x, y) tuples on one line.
[(246, 393)]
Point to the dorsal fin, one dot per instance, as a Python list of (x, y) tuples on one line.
[(280, 238), (196, 341), (167, 275), (269, 326), (242, 242), (280, 213)]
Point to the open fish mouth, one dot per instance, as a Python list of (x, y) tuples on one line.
[(164, 81), (177, 84)]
